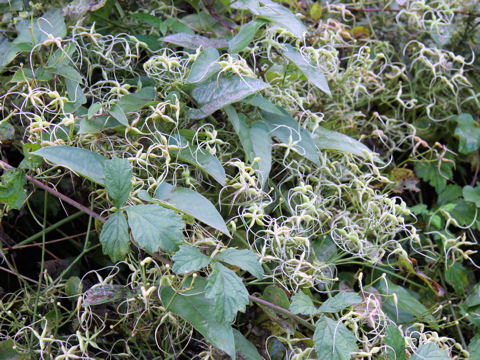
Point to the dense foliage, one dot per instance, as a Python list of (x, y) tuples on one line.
[(247, 179)]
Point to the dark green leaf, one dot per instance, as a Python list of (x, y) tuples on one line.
[(473, 298), (449, 194), (7, 131), (193, 42), (204, 66), (118, 180), (333, 340), (302, 304), (244, 36), (37, 31), (395, 342), (457, 276), (217, 93), (118, 114), (66, 71), (155, 228), (82, 161), (199, 311), (12, 192), (430, 351), (472, 194), (8, 52), (339, 302), (199, 157), (244, 348), (189, 259), (282, 17), (136, 101), (468, 133), (192, 203), (114, 237), (428, 171), (8, 351), (228, 292), (288, 131), (276, 296), (474, 348), (313, 73), (244, 259), (331, 140)]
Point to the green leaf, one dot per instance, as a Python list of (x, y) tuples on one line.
[(105, 294), (288, 131), (7, 131), (192, 203), (193, 42), (407, 307), (255, 141), (468, 133), (66, 71), (195, 308), (313, 73), (281, 16), (428, 171), (252, 5), (217, 93), (332, 140), (333, 340), (339, 302), (134, 102), (474, 347), (189, 259), (118, 114), (473, 298), (463, 212), (395, 342), (76, 96), (8, 351), (244, 36), (201, 158), (449, 194), (472, 194), (204, 66), (244, 348), (302, 304), (244, 259), (155, 228), (430, 351), (228, 292), (37, 31), (276, 296), (118, 180), (81, 161), (114, 237), (93, 110), (12, 192), (457, 276), (8, 52)]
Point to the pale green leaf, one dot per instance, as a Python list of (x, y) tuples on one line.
[(255, 141), (188, 259), (244, 36), (8, 52), (93, 110), (312, 72), (12, 192), (332, 140), (39, 29), (114, 237), (244, 348), (190, 41), (339, 302), (192, 203), (333, 340), (473, 298), (81, 161), (244, 259), (252, 5), (201, 158), (204, 66), (472, 194), (468, 133), (286, 129), (76, 96), (282, 17), (228, 292), (136, 101), (474, 347), (302, 304), (118, 180), (195, 308), (155, 228), (217, 93), (66, 71), (430, 351), (395, 342), (118, 114)]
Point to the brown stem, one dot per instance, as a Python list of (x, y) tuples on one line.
[(59, 195), (213, 14), (283, 311)]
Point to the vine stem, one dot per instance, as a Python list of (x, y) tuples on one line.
[(353, 8), (59, 195)]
